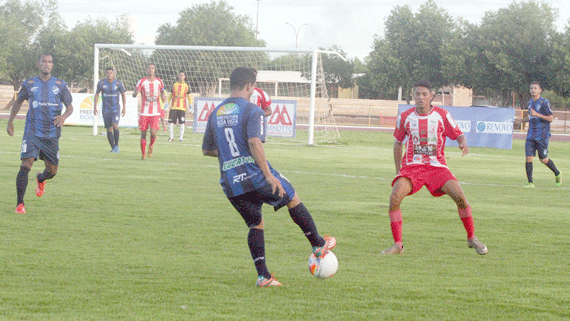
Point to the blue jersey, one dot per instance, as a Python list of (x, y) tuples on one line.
[(111, 92), (230, 125), (46, 99), (539, 128)]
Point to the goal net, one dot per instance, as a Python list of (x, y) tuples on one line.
[(294, 79)]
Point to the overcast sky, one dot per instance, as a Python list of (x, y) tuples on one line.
[(350, 24)]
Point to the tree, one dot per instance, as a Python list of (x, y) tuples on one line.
[(19, 23), (511, 48), (560, 66), (411, 49), (74, 50), (337, 71), (209, 24)]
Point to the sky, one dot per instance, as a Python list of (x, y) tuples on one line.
[(349, 24)]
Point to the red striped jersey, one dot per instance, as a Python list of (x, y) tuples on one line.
[(260, 98), (150, 96), (426, 136)]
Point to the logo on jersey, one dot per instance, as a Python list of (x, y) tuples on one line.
[(55, 90), (228, 109), (239, 178), (237, 162)]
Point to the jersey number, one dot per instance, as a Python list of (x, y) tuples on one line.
[(230, 137)]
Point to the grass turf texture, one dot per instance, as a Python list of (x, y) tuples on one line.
[(117, 238)]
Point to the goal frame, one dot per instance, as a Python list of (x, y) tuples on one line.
[(313, 81)]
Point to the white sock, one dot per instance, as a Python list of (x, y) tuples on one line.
[(171, 129), (182, 127)]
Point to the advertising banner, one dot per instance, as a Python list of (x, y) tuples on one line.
[(482, 126), (83, 111), (282, 123)]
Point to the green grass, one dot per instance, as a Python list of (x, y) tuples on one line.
[(116, 238)]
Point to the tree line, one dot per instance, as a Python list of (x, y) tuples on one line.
[(497, 58)]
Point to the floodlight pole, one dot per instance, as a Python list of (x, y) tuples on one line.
[(296, 32), (257, 21)]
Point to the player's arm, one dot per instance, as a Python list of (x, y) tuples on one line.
[(548, 118), (136, 92), (95, 100), (208, 143), (15, 109), (258, 153), (398, 155), (60, 119), (170, 98), (268, 111), (462, 142), (210, 152), (124, 97)]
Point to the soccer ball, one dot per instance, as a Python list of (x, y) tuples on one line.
[(324, 267)]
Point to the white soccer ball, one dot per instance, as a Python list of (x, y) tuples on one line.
[(324, 267)]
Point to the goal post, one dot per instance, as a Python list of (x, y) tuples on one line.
[(293, 78)]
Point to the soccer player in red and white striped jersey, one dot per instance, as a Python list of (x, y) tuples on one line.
[(426, 128), (261, 99), (151, 89)]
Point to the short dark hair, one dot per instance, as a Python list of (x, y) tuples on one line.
[(109, 68), (240, 77), (423, 83), (536, 82), (44, 55), (182, 72)]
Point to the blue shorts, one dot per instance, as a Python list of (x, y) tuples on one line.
[(111, 118), (532, 146), (249, 204), (46, 149)]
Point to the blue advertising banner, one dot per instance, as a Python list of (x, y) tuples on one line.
[(482, 126)]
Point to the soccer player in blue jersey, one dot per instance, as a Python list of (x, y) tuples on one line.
[(235, 134), (540, 117), (46, 96), (111, 89)]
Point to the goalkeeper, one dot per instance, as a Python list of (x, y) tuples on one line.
[(179, 101)]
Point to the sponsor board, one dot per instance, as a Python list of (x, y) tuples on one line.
[(281, 123), (482, 126), (83, 111), (493, 127)]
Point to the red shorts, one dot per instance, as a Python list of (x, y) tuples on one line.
[(149, 121), (431, 176)]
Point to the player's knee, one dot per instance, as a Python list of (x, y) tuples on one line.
[(544, 160), (257, 225), (395, 200)]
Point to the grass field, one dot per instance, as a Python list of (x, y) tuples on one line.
[(94, 248)]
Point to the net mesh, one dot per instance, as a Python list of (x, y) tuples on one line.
[(283, 75)]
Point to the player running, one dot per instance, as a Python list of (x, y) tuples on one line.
[(111, 89), (540, 117), (426, 127), (151, 89), (235, 134), (46, 96)]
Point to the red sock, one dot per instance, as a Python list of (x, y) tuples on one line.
[(152, 139), (467, 219), (396, 225), (143, 146)]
